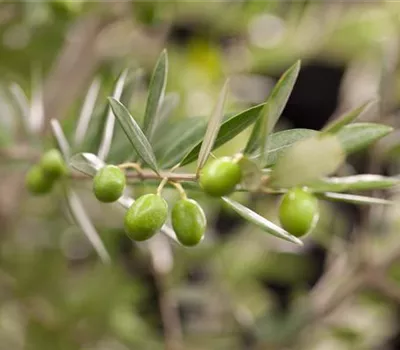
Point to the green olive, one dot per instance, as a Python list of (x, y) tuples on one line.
[(37, 182), (298, 212), (53, 164), (145, 217), (220, 177), (109, 184), (188, 221)]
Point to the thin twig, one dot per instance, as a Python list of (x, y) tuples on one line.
[(148, 175)]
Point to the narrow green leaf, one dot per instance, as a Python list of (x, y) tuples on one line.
[(357, 136), (62, 142), (108, 130), (83, 221), (179, 138), (354, 199), (307, 160), (134, 134), (281, 141), (86, 163), (229, 129), (347, 118), (87, 111), (274, 107), (213, 127), (157, 87), (132, 85), (362, 182), (261, 222), (169, 104), (253, 141)]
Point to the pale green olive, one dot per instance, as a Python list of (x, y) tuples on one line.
[(298, 212), (109, 184), (220, 177), (37, 182), (188, 221), (145, 217)]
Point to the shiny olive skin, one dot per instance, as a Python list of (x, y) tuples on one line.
[(109, 184), (220, 177), (53, 164), (188, 221), (37, 182), (145, 217), (298, 212)]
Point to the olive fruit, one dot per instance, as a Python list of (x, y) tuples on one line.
[(188, 221), (220, 177), (298, 212), (145, 217), (109, 184), (53, 164), (37, 182)]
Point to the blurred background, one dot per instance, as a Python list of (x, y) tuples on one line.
[(240, 289)]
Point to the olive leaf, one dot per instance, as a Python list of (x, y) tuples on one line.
[(131, 87), (134, 134), (168, 105), (83, 221), (86, 163), (261, 222), (347, 118), (230, 128), (281, 141), (21, 102), (253, 141), (36, 108), (354, 199), (108, 130), (213, 127), (357, 136), (274, 107), (87, 111), (362, 182), (179, 137), (307, 160), (157, 87), (61, 140)]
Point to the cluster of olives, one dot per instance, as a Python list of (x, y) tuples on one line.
[(43, 175), (149, 212), (298, 212)]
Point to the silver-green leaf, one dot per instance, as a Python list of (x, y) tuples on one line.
[(354, 199), (157, 87), (261, 222), (363, 182), (83, 221), (281, 141), (62, 142), (347, 118), (357, 136), (179, 138), (230, 128), (134, 134), (108, 130), (274, 107), (213, 127)]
